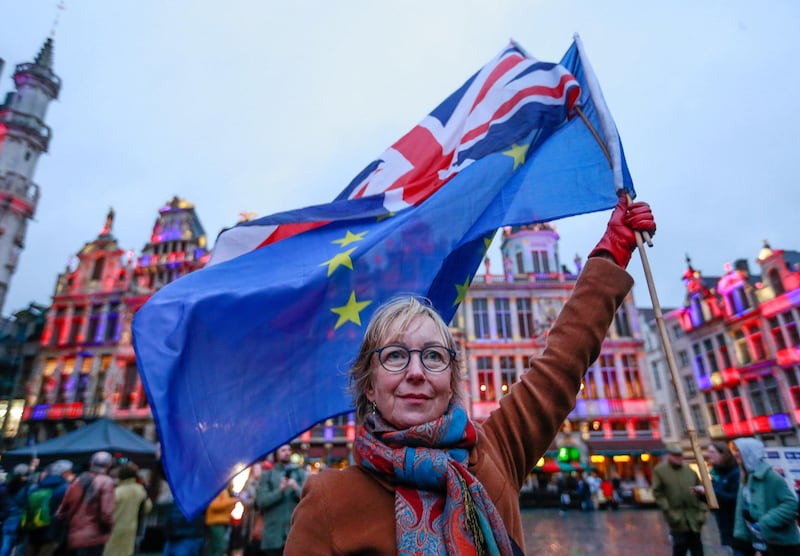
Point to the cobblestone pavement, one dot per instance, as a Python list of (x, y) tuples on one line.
[(626, 532)]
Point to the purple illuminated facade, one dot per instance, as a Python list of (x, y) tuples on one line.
[(739, 345)]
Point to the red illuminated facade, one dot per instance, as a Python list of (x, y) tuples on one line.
[(742, 345), (87, 367)]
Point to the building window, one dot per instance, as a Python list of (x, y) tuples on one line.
[(794, 385), (485, 379), (590, 384), (699, 362), (520, 264), (774, 278), (790, 325), (97, 270), (757, 398), (508, 373), (94, 323), (708, 346), (741, 347), (691, 386), (525, 317), (757, 342), (699, 421), (480, 318), (683, 358), (541, 263), (633, 381), (112, 319), (711, 408), (773, 394), (76, 323), (656, 372), (677, 331), (502, 317), (609, 374), (623, 323), (723, 351)]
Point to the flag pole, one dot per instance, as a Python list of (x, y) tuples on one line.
[(612, 154)]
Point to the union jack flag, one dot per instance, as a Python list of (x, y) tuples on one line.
[(511, 97)]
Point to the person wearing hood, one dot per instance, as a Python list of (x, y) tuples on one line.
[(766, 510)]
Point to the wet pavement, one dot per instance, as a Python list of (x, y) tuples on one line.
[(626, 532)]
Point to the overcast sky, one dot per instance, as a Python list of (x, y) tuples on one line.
[(267, 106)]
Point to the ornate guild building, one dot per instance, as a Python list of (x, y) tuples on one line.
[(87, 367)]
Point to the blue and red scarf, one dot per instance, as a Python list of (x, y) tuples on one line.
[(440, 507)]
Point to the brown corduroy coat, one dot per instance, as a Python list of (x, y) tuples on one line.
[(352, 512)]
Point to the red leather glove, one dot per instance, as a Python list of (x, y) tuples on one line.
[(619, 240)]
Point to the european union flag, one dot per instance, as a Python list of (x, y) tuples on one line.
[(246, 354)]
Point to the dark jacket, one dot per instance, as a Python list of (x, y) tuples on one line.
[(725, 481), (176, 526), (57, 530), (353, 512)]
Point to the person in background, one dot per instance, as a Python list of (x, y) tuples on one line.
[(427, 479), (50, 539), (182, 537), (766, 509), (130, 503), (675, 488), (725, 479), (277, 494), (16, 494), (218, 520), (88, 508)]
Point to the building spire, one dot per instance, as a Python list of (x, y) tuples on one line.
[(45, 56), (109, 223), (60, 7)]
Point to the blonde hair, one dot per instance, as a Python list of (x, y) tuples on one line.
[(397, 312)]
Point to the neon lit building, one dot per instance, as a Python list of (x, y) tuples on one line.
[(86, 367), (740, 346), (504, 320), (23, 138)]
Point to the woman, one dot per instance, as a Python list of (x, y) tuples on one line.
[(130, 502), (766, 510), (427, 480), (725, 479)]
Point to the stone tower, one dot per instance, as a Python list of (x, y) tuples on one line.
[(23, 137)]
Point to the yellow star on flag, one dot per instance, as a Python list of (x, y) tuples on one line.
[(350, 312), (461, 289), (517, 152), (383, 217), (340, 259), (349, 238)]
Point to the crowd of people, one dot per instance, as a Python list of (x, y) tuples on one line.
[(757, 512), (60, 510)]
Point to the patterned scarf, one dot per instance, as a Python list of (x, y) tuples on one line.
[(440, 507)]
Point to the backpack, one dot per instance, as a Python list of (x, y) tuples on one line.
[(36, 513)]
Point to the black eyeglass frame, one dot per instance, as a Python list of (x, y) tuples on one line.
[(450, 352)]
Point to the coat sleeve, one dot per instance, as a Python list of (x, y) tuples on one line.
[(532, 413), (784, 508), (107, 504), (267, 495)]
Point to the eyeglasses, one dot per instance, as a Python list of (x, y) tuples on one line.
[(396, 358)]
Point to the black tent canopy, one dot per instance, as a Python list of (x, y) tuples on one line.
[(79, 445)]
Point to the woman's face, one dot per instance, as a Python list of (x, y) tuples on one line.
[(713, 455), (415, 395)]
